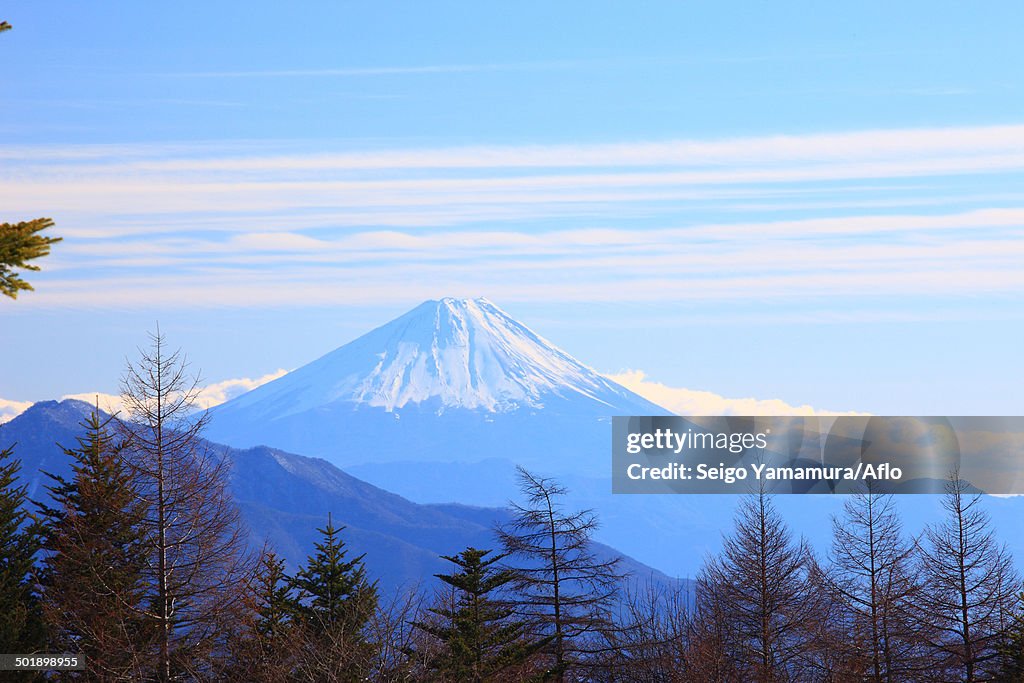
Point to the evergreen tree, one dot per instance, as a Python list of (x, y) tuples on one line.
[(92, 576), (21, 624), (1013, 667), (272, 593), (478, 636), (19, 244), (334, 601), (262, 648), (563, 590)]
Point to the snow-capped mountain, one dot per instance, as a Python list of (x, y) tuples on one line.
[(454, 379), (455, 353)]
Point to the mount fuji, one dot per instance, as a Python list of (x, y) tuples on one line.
[(440, 404), (451, 380)]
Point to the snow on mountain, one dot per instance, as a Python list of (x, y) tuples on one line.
[(451, 380), (462, 353)]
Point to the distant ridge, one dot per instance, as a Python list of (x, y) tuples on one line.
[(284, 498)]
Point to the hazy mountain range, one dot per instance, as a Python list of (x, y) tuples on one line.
[(438, 406), (285, 497)]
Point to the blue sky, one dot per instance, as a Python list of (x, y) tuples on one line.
[(781, 200)]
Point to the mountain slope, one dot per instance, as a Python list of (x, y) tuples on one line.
[(285, 497), (440, 404), (450, 380)]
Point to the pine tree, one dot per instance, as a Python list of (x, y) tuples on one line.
[(969, 589), (478, 635), (19, 244), (563, 590), (262, 647), (1013, 666), (21, 624), (333, 603), (272, 594), (92, 576)]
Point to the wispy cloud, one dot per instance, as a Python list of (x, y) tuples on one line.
[(844, 147), (859, 215), (396, 70)]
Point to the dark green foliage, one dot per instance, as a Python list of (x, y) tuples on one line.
[(272, 597), (333, 604), (21, 624), (19, 244), (1013, 668), (334, 592), (478, 636), (92, 575), (263, 647)]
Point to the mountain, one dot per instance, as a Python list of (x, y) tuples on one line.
[(450, 380), (440, 405), (285, 497)]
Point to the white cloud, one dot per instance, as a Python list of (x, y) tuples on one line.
[(672, 220), (691, 402), (108, 403), (220, 392), (209, 396), (12, 409), (840, 146)]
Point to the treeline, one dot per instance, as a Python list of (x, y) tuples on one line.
[(138, 561)]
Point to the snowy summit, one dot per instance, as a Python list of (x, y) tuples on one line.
[(451, 353), (451, 379)]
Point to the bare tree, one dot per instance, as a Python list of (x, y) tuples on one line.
[(652, 643), (403, 650), (194, 540), (872, 578), (758, 600), (562, 588), (969, 589)]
